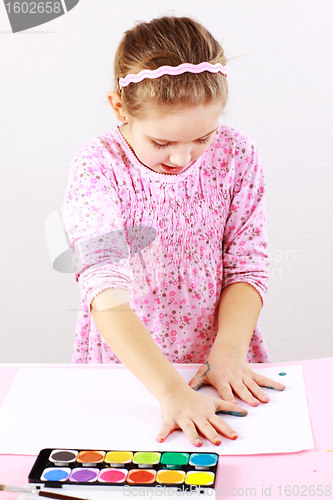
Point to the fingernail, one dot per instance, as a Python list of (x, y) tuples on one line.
[(234, 435), (266, 398), (198, 442), (159, 438), (233, 401)]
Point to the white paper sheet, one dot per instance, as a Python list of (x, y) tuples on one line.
[(110, 409)]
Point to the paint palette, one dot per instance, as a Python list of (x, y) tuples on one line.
[(183, 470)]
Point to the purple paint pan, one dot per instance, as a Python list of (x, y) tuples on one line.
[(84, 475)]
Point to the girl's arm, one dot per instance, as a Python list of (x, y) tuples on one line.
[(182, 408), (238, 312), (226, 367), (132, 343)]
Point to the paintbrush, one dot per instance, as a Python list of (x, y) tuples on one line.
[(41, 493)]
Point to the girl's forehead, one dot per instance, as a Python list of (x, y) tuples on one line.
[(182, 125)]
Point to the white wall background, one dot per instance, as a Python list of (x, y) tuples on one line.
[(52, 100)]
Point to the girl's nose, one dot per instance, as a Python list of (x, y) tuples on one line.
[(181, 158)]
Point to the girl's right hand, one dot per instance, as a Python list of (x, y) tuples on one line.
[(194, 412)]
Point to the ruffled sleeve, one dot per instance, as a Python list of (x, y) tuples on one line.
[(245, 256), (93, 219)]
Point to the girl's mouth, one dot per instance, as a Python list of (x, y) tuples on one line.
[(171, 170)]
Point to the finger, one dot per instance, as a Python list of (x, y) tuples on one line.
[(222, 427), (190, 432), (268, 383), (243, 393), (226, 393), (196, 382), (199, 379), (207, 430), (167, 428), (229, 408), (255, 390)]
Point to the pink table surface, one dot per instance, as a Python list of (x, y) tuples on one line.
[(287, 475)]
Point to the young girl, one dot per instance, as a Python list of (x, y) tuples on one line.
[(166, 217)]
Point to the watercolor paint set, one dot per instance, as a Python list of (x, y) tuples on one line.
[(187, 471)]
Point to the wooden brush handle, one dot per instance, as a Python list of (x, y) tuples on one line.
[(57, 496)]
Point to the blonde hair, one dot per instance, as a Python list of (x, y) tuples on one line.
[(169, 41)]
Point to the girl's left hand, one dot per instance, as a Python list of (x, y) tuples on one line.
[(232, 375)]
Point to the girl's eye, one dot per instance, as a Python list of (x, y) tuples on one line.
[(160, 146), (163, 146), (203, 141)]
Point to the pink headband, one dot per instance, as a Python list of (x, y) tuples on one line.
[(172, 70)]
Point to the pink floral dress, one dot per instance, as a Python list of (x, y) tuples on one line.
[(172, 241)]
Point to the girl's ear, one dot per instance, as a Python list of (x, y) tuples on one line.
[(115, 101)]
